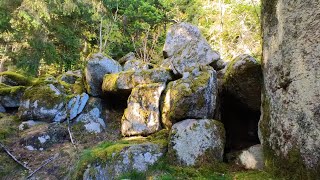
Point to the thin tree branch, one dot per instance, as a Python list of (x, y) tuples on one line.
[(13, 157), (43, 164)]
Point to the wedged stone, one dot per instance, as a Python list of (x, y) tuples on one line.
[(193, 142), (136, 157), (252, 158), (191, 97), (91, 117), (77, 104), (10, 96), (125, 81), (243, 80), (136, 65), (127, 57), (185, 48), (42, 103), (95, 70), (142, 116)]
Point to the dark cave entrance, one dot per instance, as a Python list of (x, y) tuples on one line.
[(241, 123)]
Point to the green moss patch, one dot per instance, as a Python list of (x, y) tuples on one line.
[(11, 90), (19, 79)]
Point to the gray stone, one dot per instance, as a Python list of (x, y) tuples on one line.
[(71, 77), (142, 116), (10, 96), (185, 48), (77, 104), (193, 96), (290, 121), (28, 124), (133, 157), (127, 80), (2, 109), (243, 80), (92, 121), (193, 142), (127, 57), (252, 158), (95, 70), (136, 65)]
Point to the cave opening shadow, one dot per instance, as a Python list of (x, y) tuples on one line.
[(240, 122)]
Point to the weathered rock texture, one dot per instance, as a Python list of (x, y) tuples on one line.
[(192, 96), (132, 157), (252, 158), (125, 81), (136, 65), (185, 48), (290, 124), (193, 142), (142, 117), (96, 68)]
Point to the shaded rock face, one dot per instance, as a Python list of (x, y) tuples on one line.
[(193, 142), (43, 103), (71, 77), (41, 137), (239, 102), (12, 97), (134, 157), (96, 68), (128, 57), (142, 117), (290, 121), (185, 48), (192, 96)]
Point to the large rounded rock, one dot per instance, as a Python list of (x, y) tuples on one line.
[(96, 68), (192, 96), (130, 158), (125, 81), (42, 102), (142, 117), (290, 121), (243, 80), (185, 48), (193, 142)]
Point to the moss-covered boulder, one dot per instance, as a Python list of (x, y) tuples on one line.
[(42, 103), (10, 96), (195, 142), (243, 80), (192, 96), (185, 48), (142, 116), (15, 79), (125, 81), (136, 65), (123, 158), (95, 70)]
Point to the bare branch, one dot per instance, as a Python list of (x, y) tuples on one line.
[(43, 164), (13, 157)]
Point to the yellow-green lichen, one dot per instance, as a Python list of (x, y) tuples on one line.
[(11, 90)]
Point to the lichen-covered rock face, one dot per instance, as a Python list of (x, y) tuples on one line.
[(243, 79), (192, 96), (42, 103), (142, 117), (92, 118), (136, 65), (131, 158), (185, 48), (127, 80), (96, 68), (10, 96), (193, 142), (290, 121), (252, 158)]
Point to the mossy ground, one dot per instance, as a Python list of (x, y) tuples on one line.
[(19, 79)]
